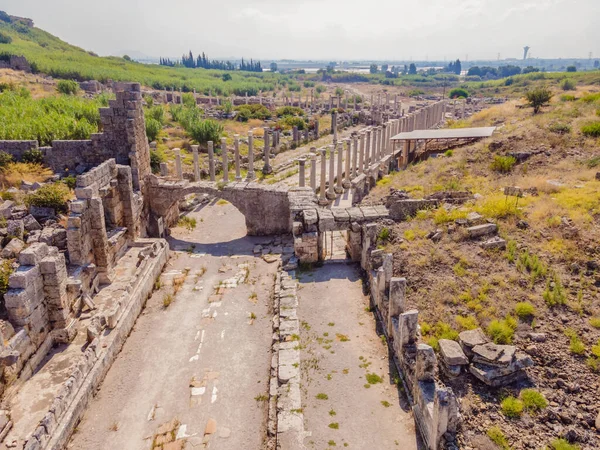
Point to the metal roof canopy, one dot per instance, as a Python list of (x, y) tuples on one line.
[(447, 133)]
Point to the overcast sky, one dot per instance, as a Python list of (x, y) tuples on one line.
[(323, 29)]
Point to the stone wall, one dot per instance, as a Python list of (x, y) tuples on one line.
[(38, 308), (123, 138), (435, 406)]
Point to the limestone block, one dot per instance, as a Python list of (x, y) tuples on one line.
[(78, 206), (426, 363), (6, 208), (30, 223), (33, 254), (326, 220), (495, 242), (482, 230), (452, 353), (494, 354), (23, 277), (397, 296), (408, 326), (15, 228), (470, 338)]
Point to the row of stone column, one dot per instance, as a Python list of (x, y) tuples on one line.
[(366, 148), (251, 175)]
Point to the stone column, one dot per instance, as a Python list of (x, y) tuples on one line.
[(196, 163), (225, 160), (313, 168), (385, 129), (301, 171), (295, 135), (367, 150), (330, 191), (250, 176), (334, 127), (374, 154), (348, 168), (340, 168), (164, 169), (267, 167), (178, 168), (236, 148), (211, 160), (354, 156), (322, 187), (464, 107), (317, 128), (361, 153)]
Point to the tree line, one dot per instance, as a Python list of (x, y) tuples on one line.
[(203, 62)]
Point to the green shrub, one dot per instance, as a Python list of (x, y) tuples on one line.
[(567, 98), (384, 234), (575, 345), (5, 39), (157, 113), (54, 195), (70, 181), (289, 111), (449, 153), (512, 407), (5, 159), (68, 87), (591, 98), (156, 158), (33, 156), (458, 93), (595, 322), (6, 269), (466, 323), (188, 100), (591, 130), (203, 131), (497, 437), (531, 264), (247, 112), (555, 292), (560, 128), (320, 89), (537, 98), (562, 444), (524, 310), (153, 128), (291, 121), (568, 85), (503, 164), (533, 400), (502, 331)]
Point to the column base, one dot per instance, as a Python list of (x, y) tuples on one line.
[(347, 185), (267, 170), (331, 195), (338, 190), (250, 176), (323, 202)]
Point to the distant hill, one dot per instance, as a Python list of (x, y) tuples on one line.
[(50, 55)]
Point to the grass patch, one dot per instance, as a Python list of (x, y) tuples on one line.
[(524, 310), (502, 331), (187, 222), (322, 396), (497, 437), (167, 300), (512, 407), (373, 378), (576, 346), (562, 444), (595, 322), (334, 426), (533, 400), (591, 130), (503, 164)]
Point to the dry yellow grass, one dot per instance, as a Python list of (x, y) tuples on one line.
[(14, 173)]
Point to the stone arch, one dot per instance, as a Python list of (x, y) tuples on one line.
[(265, 209)]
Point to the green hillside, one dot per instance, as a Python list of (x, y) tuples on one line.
[(50, 55)]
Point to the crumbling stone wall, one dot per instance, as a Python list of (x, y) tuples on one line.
[(123, 138), (39, 312)]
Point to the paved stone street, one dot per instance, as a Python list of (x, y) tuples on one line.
[(203, 360), (350, 398)]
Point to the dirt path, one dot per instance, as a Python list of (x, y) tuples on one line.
[(203, 360), (350, 398)]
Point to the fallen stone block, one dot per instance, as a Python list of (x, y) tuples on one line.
[(452, 353), (494, 243), (470, 338), (30, 223), (13, 248), (482, 230), (494, 354)]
